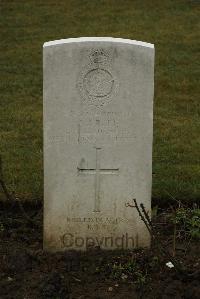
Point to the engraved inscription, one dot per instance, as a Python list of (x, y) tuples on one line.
[(106, 127), (98, 129), (59, 138), (107, 220)]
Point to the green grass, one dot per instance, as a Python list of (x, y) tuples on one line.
[(172, 25)]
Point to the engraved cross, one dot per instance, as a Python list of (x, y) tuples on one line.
[(98, 171)]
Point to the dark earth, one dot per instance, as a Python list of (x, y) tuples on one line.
[(27, 272)]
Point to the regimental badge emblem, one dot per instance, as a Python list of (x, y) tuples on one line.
[(97, 84)]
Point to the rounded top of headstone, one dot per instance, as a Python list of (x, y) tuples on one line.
[(98, 39)]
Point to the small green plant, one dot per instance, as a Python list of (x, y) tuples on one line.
[(154, 262), (154, 212), (129, 270), (2, 228), (122, 271), (141, 278), (187, 222), (193, 224)]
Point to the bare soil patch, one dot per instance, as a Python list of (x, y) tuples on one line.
[(26, 271)]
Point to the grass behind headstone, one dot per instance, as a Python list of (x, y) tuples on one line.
[(171, 25)]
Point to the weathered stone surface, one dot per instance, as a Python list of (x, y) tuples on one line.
[(98, 115)]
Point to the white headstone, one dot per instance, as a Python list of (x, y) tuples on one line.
[(98, 115)]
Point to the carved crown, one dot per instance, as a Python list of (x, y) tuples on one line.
[(98, 56)]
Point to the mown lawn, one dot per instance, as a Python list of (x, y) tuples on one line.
[(172, 25)]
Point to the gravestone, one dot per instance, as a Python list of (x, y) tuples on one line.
[(98, 115)]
